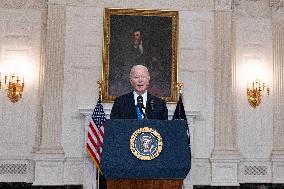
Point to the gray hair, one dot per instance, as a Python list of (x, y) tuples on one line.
[(138, 66)]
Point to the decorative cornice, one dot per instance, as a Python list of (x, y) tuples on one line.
[(276, 3), (57, 2), (20, 4), (226, 4), (159, 4), (236, 3), (223, 5), (277, 7), (252, 8)]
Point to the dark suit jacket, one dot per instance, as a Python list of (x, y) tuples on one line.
[(132, 55), (124, 108)]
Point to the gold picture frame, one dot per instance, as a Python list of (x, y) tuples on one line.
[(159, 31)]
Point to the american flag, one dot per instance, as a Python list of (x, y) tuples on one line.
[(96, 133)]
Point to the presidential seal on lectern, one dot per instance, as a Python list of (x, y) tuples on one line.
[(146, 143)]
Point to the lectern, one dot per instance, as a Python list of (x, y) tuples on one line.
[(145, 154)]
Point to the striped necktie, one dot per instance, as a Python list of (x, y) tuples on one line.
[(139, 114)]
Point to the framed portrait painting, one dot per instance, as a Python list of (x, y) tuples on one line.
[(140, 37)]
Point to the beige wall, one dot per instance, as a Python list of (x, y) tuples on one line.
[(232, 143)]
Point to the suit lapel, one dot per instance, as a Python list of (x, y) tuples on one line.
[(148, 105), (132, 106)]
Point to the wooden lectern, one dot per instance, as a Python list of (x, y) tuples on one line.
[(123, 170), (144, 184)]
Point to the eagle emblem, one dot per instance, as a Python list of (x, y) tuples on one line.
[(146, 143)]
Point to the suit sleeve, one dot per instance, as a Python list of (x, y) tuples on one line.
[(164, 111), (115, 111)]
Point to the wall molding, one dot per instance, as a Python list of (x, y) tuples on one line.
[(20, 4)]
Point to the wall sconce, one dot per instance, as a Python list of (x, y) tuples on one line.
[(255, 91), (14, 87)]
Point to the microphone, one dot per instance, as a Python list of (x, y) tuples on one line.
[(140, 105)]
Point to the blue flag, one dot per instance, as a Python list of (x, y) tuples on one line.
[(180, 115), (179, 112)]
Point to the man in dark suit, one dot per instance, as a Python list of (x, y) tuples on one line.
[(135, 51), (125, 106), (152, 107)]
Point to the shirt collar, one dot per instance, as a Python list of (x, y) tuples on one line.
[(144, 95)]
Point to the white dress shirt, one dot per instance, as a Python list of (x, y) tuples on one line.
[(144, 95)]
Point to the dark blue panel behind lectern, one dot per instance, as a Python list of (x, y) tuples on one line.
[(118, 162)]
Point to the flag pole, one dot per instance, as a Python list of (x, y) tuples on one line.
[(98, 178), (99, 82), (179, 88)]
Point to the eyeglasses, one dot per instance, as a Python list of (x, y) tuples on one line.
[(139, 77)]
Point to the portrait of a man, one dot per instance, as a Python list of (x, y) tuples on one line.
[(140, 40)]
